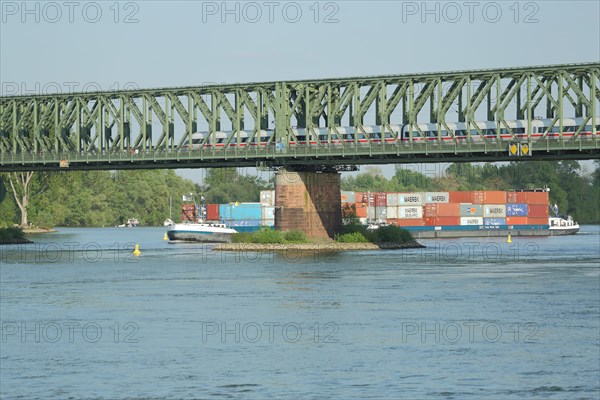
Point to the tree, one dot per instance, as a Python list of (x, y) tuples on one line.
[(223, 185), (20, 185)]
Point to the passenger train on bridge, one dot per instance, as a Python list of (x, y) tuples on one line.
[(450, 133)]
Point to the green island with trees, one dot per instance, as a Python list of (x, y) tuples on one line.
[(388, 237), (108, 198)]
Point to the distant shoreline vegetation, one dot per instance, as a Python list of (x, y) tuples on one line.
[(13, 235)]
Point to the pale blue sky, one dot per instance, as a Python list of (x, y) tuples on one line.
[(182, 43)]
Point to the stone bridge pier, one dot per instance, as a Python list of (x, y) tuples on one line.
[(308, 201)]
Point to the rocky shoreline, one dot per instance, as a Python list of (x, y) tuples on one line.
[(37, 229), (333, 246)]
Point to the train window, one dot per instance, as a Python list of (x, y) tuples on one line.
[(588, 128), (519, 130), (490, 131), (444, 133), (555, 129), (541, 129), (597, 128), (460, 132), (504, 131), (474, 132)]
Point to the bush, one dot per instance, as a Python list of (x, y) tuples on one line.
[(391, 234), (353, 227), (355, 237), (11, 233), (295, 237), (242, 237), (267, 235)]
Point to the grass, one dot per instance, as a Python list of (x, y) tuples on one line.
[(269, 236), (351, 233), (11, 233)]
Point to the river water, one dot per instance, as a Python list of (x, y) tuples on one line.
[(83, 318)]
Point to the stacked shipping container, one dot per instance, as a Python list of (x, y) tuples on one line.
[(474, 208)]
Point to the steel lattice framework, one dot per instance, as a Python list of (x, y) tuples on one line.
[(150, 128)]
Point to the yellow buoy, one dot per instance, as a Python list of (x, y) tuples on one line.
[(136, 251), (165, 237), (509, 240)]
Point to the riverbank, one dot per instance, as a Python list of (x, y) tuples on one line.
[(312, 247), (38, 229)]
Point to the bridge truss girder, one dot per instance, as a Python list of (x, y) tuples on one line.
[(106, 124)]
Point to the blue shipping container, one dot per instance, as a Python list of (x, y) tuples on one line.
[(516, 210), (241, 222), (494, 221), (224, 211), (242, 211)]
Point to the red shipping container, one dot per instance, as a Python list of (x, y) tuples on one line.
[(442, 210), (516, 197), (537, 221), (442, 221), (516, 220), (406, 221), (187, 216), (363, 197), (361, 211), (538, 211), (212, 212), (461, 197), (380, 199), (477, 197), (494, 197), (537, 198)]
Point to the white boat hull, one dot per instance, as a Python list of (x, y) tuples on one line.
[(205, 233)]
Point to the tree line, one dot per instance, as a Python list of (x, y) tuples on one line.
[(110, 198)]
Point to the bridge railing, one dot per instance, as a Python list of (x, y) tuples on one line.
[(339, 150)]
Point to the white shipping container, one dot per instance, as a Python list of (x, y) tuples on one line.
[(494, 210), (267, 222), (267, 197), (348, 197), (392, 201), (392, 212), (410, 212), (268, 212), (371, 212), (437, 197), (410, 199), (471, 220)]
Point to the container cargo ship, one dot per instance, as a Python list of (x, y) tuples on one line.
[(424, 214), (461, 214)]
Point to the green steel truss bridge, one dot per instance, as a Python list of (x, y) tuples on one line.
[(430, 117)]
